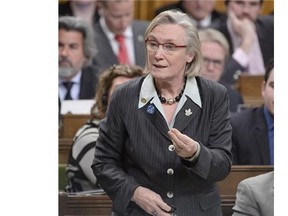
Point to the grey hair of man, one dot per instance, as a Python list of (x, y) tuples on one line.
[(215, 36), (192, 39), (72, 23)]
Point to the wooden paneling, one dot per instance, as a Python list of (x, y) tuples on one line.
[(145, 9), (91, 204), (64, 147), (70, 123), (249, 87)]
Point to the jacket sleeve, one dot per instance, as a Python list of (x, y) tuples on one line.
[(245, 203), (215, 156), (108, 159)]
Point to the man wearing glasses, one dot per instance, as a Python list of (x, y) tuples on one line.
[(215, 51), (250, 36)]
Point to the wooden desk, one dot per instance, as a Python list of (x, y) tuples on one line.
[(249, 87), (64, 147), (70, 123), (101, 204)]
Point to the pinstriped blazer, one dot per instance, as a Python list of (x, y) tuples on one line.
[(133, 149)]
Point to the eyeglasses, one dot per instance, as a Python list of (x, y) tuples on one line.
[(214, 62), (169, 48)]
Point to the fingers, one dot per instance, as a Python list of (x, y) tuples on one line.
[(150, 201), (180, 140), (184, 145), (232, 16)]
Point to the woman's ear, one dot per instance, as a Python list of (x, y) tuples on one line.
[(189, 58)]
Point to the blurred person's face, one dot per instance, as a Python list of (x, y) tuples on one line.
[(213, 60), (245, 8), (167, 64), (268, 92), (118, 15), (70, 53), (199, 9), (116, 82)]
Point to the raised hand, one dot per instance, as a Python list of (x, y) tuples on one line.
[(184, 146)]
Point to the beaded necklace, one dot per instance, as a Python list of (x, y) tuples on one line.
[(171, 101)]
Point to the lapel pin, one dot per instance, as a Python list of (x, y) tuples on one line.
[(143, 100), (188, 112), (150, 109)]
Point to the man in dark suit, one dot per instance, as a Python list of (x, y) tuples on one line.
[(253, 129), (77, 79), (117, 20), (202, 13), (250, 36)]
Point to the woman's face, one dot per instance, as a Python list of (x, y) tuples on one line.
[(167, 66)]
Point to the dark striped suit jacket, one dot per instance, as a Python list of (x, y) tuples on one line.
[(133, 150)]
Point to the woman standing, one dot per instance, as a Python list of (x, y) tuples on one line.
[(166, 138)]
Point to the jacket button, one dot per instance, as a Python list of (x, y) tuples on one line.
[(171, 147), (170, 194), (170, 171)]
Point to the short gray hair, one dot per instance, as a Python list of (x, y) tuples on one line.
[(213, 35), (192, 40), (72, 23)]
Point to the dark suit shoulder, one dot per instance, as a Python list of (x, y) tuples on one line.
[(246, 117), (212, 93), (216, 15), (210, 86), (266, 19), (64, 9), (139, 27), (90, 71), (140, 23)]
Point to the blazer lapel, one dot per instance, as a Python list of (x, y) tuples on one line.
[(188, 112), (157, 119)]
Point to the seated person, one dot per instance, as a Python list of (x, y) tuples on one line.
[(77, 78), (253, 128), (76, 48), (79, 172), (215, 51), (119, 37), (202, 13), (255, 196), (244, 28)]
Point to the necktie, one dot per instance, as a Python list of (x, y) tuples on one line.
[(68, 86), (122, 54)]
